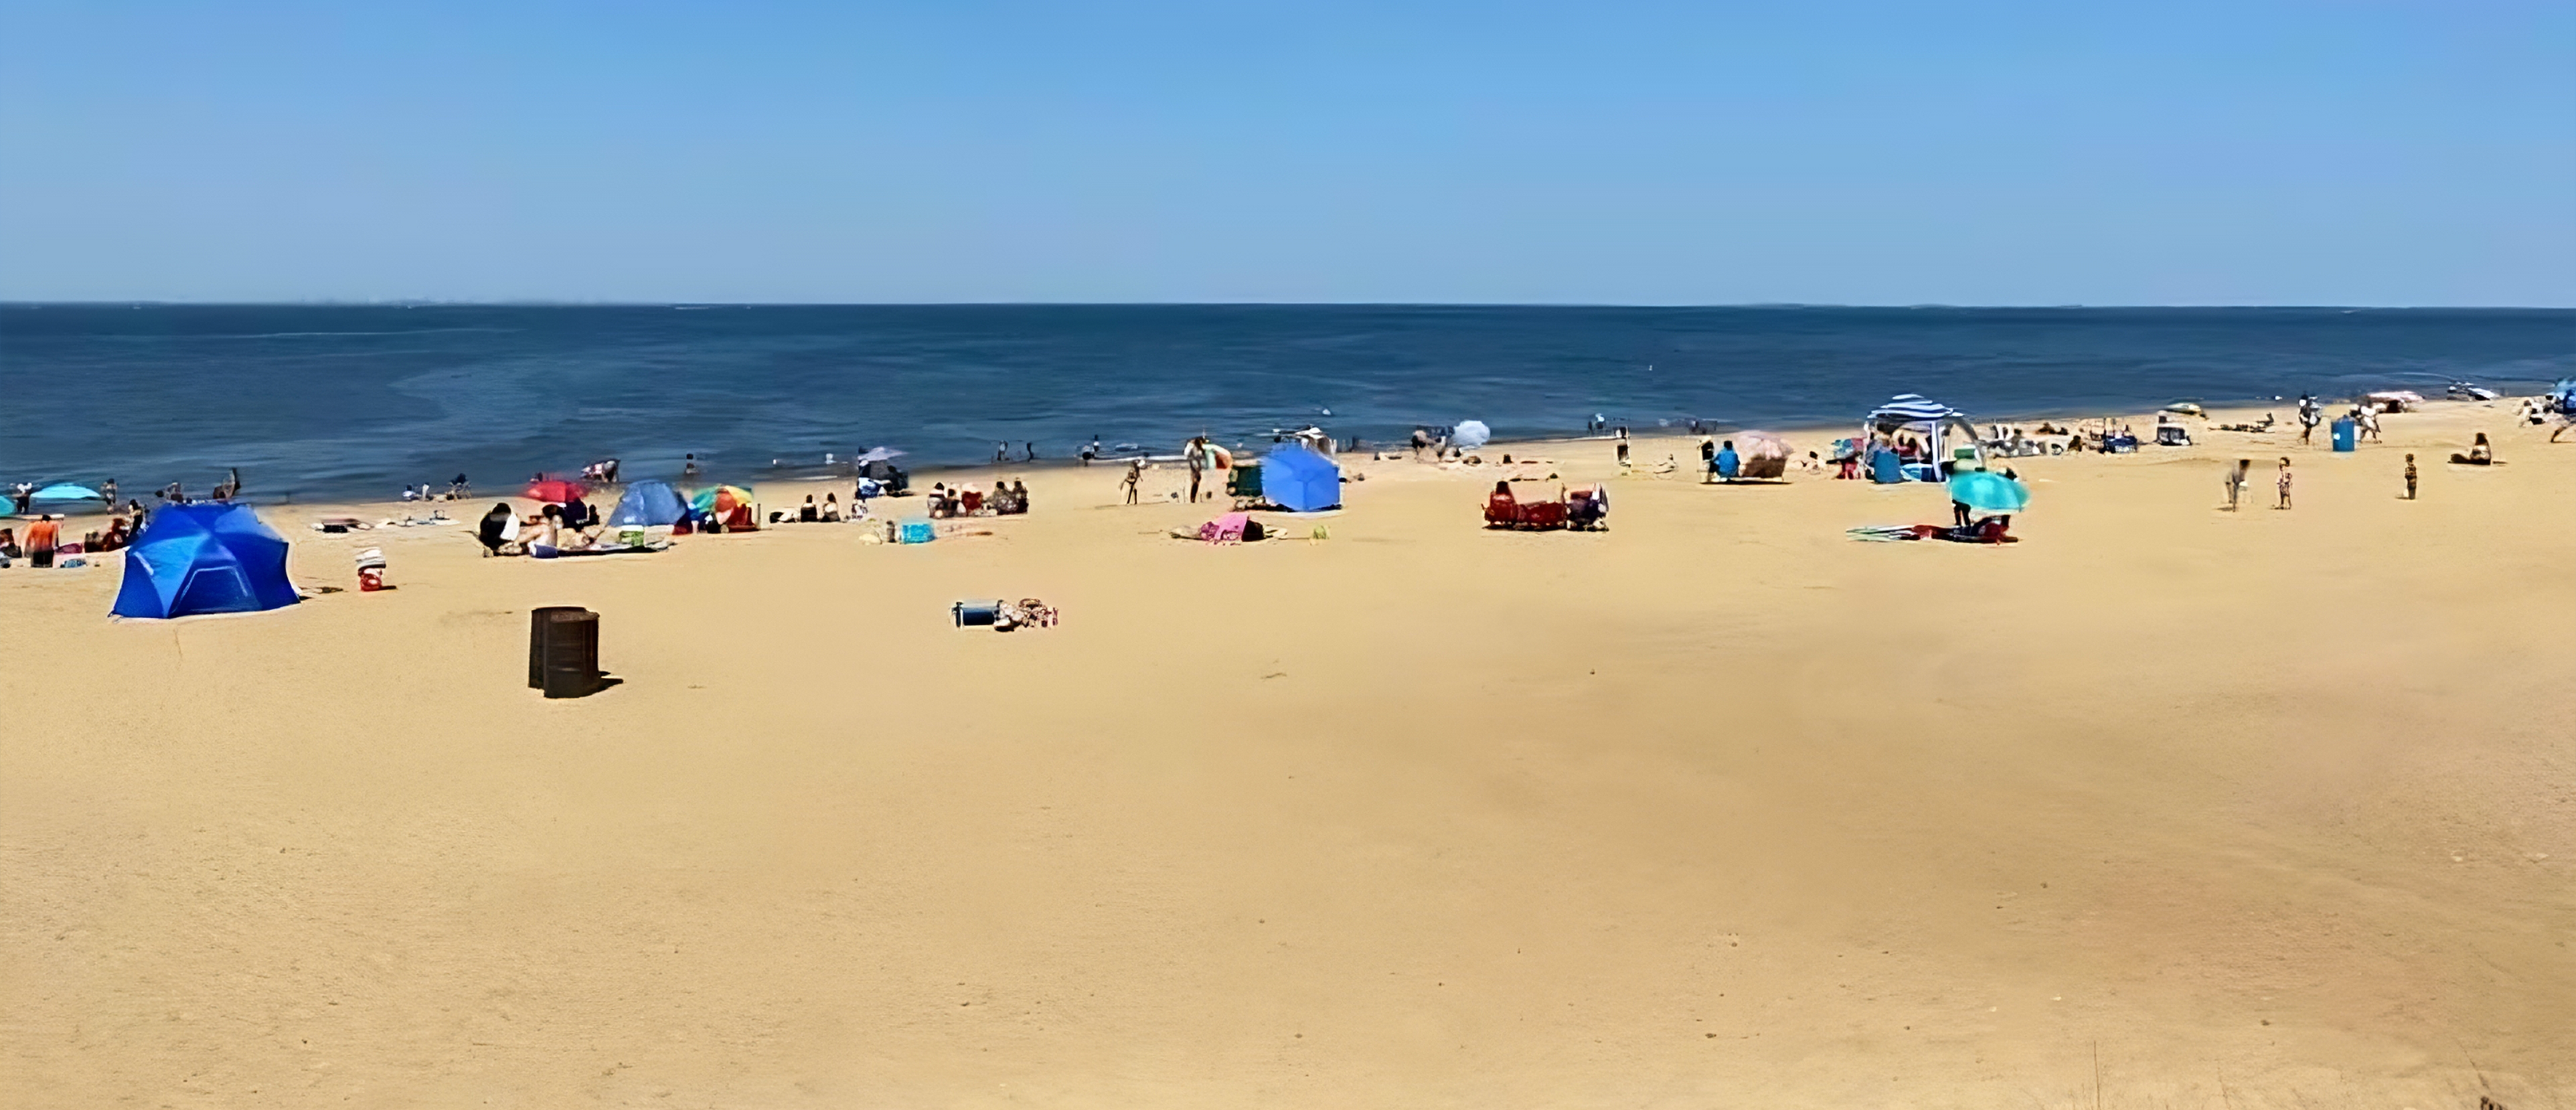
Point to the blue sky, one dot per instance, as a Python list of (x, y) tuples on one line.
[(1866, 153)]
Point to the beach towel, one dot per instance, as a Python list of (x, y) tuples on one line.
[(1224, 529)]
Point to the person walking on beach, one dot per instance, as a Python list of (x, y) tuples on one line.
[(2410, 477), (2308, 418), (1029, 451), (2285, 483), (1001, 452), (2235, 478), (20, 497), (1135, 475)]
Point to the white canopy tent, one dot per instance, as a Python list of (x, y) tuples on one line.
[(1934, 421)]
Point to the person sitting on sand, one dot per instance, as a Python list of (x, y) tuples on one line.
[(809, 512), (115, 537), (2481, 453), (9, 545), (831, 511), (1726, 464), (1019, 496), (494, 529)]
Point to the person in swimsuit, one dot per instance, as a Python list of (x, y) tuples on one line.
[(2285, 483), (2410, 477)]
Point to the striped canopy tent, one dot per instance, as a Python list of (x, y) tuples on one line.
[(1923, 416)]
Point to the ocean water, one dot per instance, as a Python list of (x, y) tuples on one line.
[(357, 401)]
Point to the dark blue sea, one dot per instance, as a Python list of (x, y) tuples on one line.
[(357, 401)]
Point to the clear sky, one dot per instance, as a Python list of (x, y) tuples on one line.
[(2172, 152)]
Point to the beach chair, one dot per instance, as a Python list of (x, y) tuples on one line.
[(1243, 484), (1587, 510)]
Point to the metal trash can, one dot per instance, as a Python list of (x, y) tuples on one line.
[(563, 651), (572, 654), (537, 622)]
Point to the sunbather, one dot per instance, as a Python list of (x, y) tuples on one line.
[(2481, 453)]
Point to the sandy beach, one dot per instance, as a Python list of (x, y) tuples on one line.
[(2163, 806)]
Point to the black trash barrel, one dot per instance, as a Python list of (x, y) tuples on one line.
[(538, 620), (572, 654)]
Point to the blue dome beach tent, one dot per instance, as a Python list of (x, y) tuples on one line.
[(204, 558), (1300, 480), (648, 504)]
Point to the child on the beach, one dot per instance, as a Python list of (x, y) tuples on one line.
[(2410, 477), (2285, 483)]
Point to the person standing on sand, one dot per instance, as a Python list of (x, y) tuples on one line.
[(2234, 476), (2410, 477), (2285, 483), (41, 537), (1197, 448), (1135, 474)]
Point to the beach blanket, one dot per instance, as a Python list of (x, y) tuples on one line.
[(1989, 531)]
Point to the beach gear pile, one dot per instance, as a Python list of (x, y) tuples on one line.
[(1582, 510), (1004, 616)]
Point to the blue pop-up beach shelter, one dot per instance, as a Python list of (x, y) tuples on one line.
[(194, 559), (1300, 480), (648, 504)]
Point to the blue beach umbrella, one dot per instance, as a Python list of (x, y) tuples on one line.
[(1988, 492), (66, 491)]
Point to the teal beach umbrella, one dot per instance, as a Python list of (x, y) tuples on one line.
[(1988, 492), (66, 491)]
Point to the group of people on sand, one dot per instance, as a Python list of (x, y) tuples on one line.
[(1009, 498), (43, 544)]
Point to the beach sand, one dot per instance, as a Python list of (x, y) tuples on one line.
[(2162, 807)]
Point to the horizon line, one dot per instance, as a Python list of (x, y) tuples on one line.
[(432, 302)]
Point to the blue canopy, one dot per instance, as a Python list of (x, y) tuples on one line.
[(647, 504), (1300, 480), (66, 491), (205, 558)]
